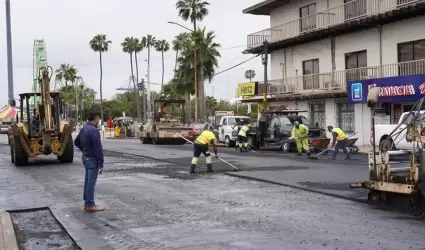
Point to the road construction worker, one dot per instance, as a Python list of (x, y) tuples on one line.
[(339, 137), (300, 133), (243, 137), (201, 145)]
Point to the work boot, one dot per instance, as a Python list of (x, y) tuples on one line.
[(299, 154), (192, 169), (241, 149), (209, 168), (308, 154), (94, 208), (347, 158)]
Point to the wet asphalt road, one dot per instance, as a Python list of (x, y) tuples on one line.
[(157, 205)]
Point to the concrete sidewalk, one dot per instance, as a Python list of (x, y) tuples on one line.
[(7, 233)]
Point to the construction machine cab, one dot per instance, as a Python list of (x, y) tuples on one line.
[(36, 119)]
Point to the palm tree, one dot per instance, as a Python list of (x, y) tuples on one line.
[(249, 74), (208, 55), (130, 45), (65, 73), (162, 46), (178, 44), (194, 10), (149, 42), (100, 43)]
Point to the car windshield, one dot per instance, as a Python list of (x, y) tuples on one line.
[(290, 120), (236, 120)]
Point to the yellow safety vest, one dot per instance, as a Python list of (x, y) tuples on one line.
[(302, 131), (243, 130), (340, 135), (205, 137)]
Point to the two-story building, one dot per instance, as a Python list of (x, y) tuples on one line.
[(321, 49)]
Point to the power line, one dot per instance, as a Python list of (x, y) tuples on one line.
[(86, 63), (223, 71)]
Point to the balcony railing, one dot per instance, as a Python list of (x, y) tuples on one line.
[(322, 20), (337, 80)]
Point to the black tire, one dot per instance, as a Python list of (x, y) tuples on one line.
[(68, 154), (386, 145), (146, 140), (20, 157), (12, 157), (286, 147)]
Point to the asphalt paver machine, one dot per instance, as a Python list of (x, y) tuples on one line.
[(387, 181), (42, 132), (164, 129)]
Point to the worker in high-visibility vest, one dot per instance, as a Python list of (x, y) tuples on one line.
[(300, 133), (339, 141), (243, 137), (203, 141)]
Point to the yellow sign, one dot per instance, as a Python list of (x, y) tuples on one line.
[(247, 89)]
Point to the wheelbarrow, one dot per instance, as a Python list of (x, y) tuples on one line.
[(353, 149), (318, 145)]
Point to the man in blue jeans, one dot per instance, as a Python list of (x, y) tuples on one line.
[(88, 141)]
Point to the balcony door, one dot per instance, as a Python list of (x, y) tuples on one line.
[(311, 74), (307, 18), (355, 65), (408, 53), (354, 8)]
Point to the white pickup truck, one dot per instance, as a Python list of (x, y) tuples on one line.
[(398, 138)]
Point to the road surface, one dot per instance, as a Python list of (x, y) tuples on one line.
[(152, 204)]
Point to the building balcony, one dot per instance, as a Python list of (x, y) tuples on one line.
[(332, 84), (349, 17)]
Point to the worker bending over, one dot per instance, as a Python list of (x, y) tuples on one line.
[(339, 137), (243, 137), (201, 145), (300, 133)]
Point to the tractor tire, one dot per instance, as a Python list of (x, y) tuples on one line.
[(20, 157), (12, 156), (68, 154)]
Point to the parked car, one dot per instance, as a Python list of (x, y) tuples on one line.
[(398, 138), (276, 127)]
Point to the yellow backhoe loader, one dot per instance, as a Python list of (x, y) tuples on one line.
[(44, 132)]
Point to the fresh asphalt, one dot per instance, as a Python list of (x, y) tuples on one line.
[(156, 204)]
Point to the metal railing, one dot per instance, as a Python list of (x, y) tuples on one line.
[(322, 20), (337, 80)]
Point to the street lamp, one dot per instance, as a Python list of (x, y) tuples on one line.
[(195, 55)]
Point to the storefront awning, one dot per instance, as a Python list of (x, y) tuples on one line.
[(302, 95)]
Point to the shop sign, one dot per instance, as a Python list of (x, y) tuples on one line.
[(247, 89), (393, 89)]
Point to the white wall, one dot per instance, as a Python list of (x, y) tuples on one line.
[(392, 34), (296, 55), (291, 11)]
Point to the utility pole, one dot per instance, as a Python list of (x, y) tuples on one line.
[(9, 54), (265, 61), (149, 103)]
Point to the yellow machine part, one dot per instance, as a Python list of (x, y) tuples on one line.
[(33, 146)]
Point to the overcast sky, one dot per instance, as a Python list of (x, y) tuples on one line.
[(67, 27)]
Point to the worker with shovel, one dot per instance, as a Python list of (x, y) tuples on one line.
[(243, 137), (339, 137), (300, 133), (201, 145)]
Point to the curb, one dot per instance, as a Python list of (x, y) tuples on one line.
[(8, 239)]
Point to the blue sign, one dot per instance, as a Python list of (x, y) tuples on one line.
[(396, 89)]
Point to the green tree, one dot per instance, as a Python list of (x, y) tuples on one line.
[(211, 104), (249, 74), (64, 74), (195, 10), (100, 43), (178, 44), (162, 46), (130, 45)]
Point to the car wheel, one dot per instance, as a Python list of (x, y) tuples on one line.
[(386, 145), (286, 147), (227, 141)]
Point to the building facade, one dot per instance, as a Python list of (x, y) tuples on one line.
[(319, 49)]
